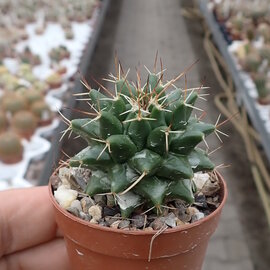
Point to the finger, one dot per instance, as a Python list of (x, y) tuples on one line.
[(26, 219), (51, 255)]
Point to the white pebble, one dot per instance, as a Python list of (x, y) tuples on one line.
[(197, 216), (65, 196), (200, 179), (76, 204), (96, 212), (192, 211), (93, 221)]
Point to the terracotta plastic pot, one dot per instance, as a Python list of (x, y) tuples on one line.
[(93, 247)]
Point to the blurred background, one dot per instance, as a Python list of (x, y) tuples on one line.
[(47, 47)]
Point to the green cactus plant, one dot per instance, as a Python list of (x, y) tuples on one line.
[(265, 52), (13, 102), (264, 30), (252, 62), (42, 111), (59, 53), (33, 95), (40, 86), (3, 122), (142, 143), (54, 80), (69, 34), (262, 87), (11, 148), (24, 124)]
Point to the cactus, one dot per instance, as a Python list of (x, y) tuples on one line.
[(24, 124), (250, 32), (69, 34), (40, 86), (40, 30), (264, 30), (54, 80), (11, 149), (262, 87), (3, 69), (42, 111), (32, 95), (142, 143), (28, 57), (13, 103), (61, 70), (252, 62), (8, 81), (59, 53), (265, 52), (3, 122), (237, 23), (24, 68)]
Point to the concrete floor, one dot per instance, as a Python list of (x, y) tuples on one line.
[(136, 30)]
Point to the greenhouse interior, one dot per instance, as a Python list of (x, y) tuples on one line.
[(135, 134)]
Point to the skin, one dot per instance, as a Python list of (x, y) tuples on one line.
[(29, 236)]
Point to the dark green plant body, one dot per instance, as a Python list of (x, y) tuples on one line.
[(142, 144)]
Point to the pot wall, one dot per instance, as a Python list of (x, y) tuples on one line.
[(92, 247)]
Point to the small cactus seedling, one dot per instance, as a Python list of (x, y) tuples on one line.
[(252, 62), (3, 69), (29, 58), (54, 80), (24, 68), (13, 103), (59, 53), (69, 34), (43, 112), (250, 32), (265, 52), (142, 142), (24, 124), (40, 86), (263, 88), (61, 70), (11, 149), (264, 31), (33, 95), (8, 81), (3, 122)]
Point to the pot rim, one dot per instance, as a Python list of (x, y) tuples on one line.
[(141, 232)]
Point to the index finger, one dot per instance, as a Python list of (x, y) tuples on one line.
[(26, 219)]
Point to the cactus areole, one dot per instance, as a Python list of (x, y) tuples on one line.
[(142, 150)]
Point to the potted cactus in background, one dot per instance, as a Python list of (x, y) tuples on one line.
[(13, 102), (11, 148), (24, 123), (263, 88), (141, 195), (3, 122), (42, 112)]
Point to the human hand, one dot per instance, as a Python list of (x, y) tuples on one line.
[(29, 236)]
